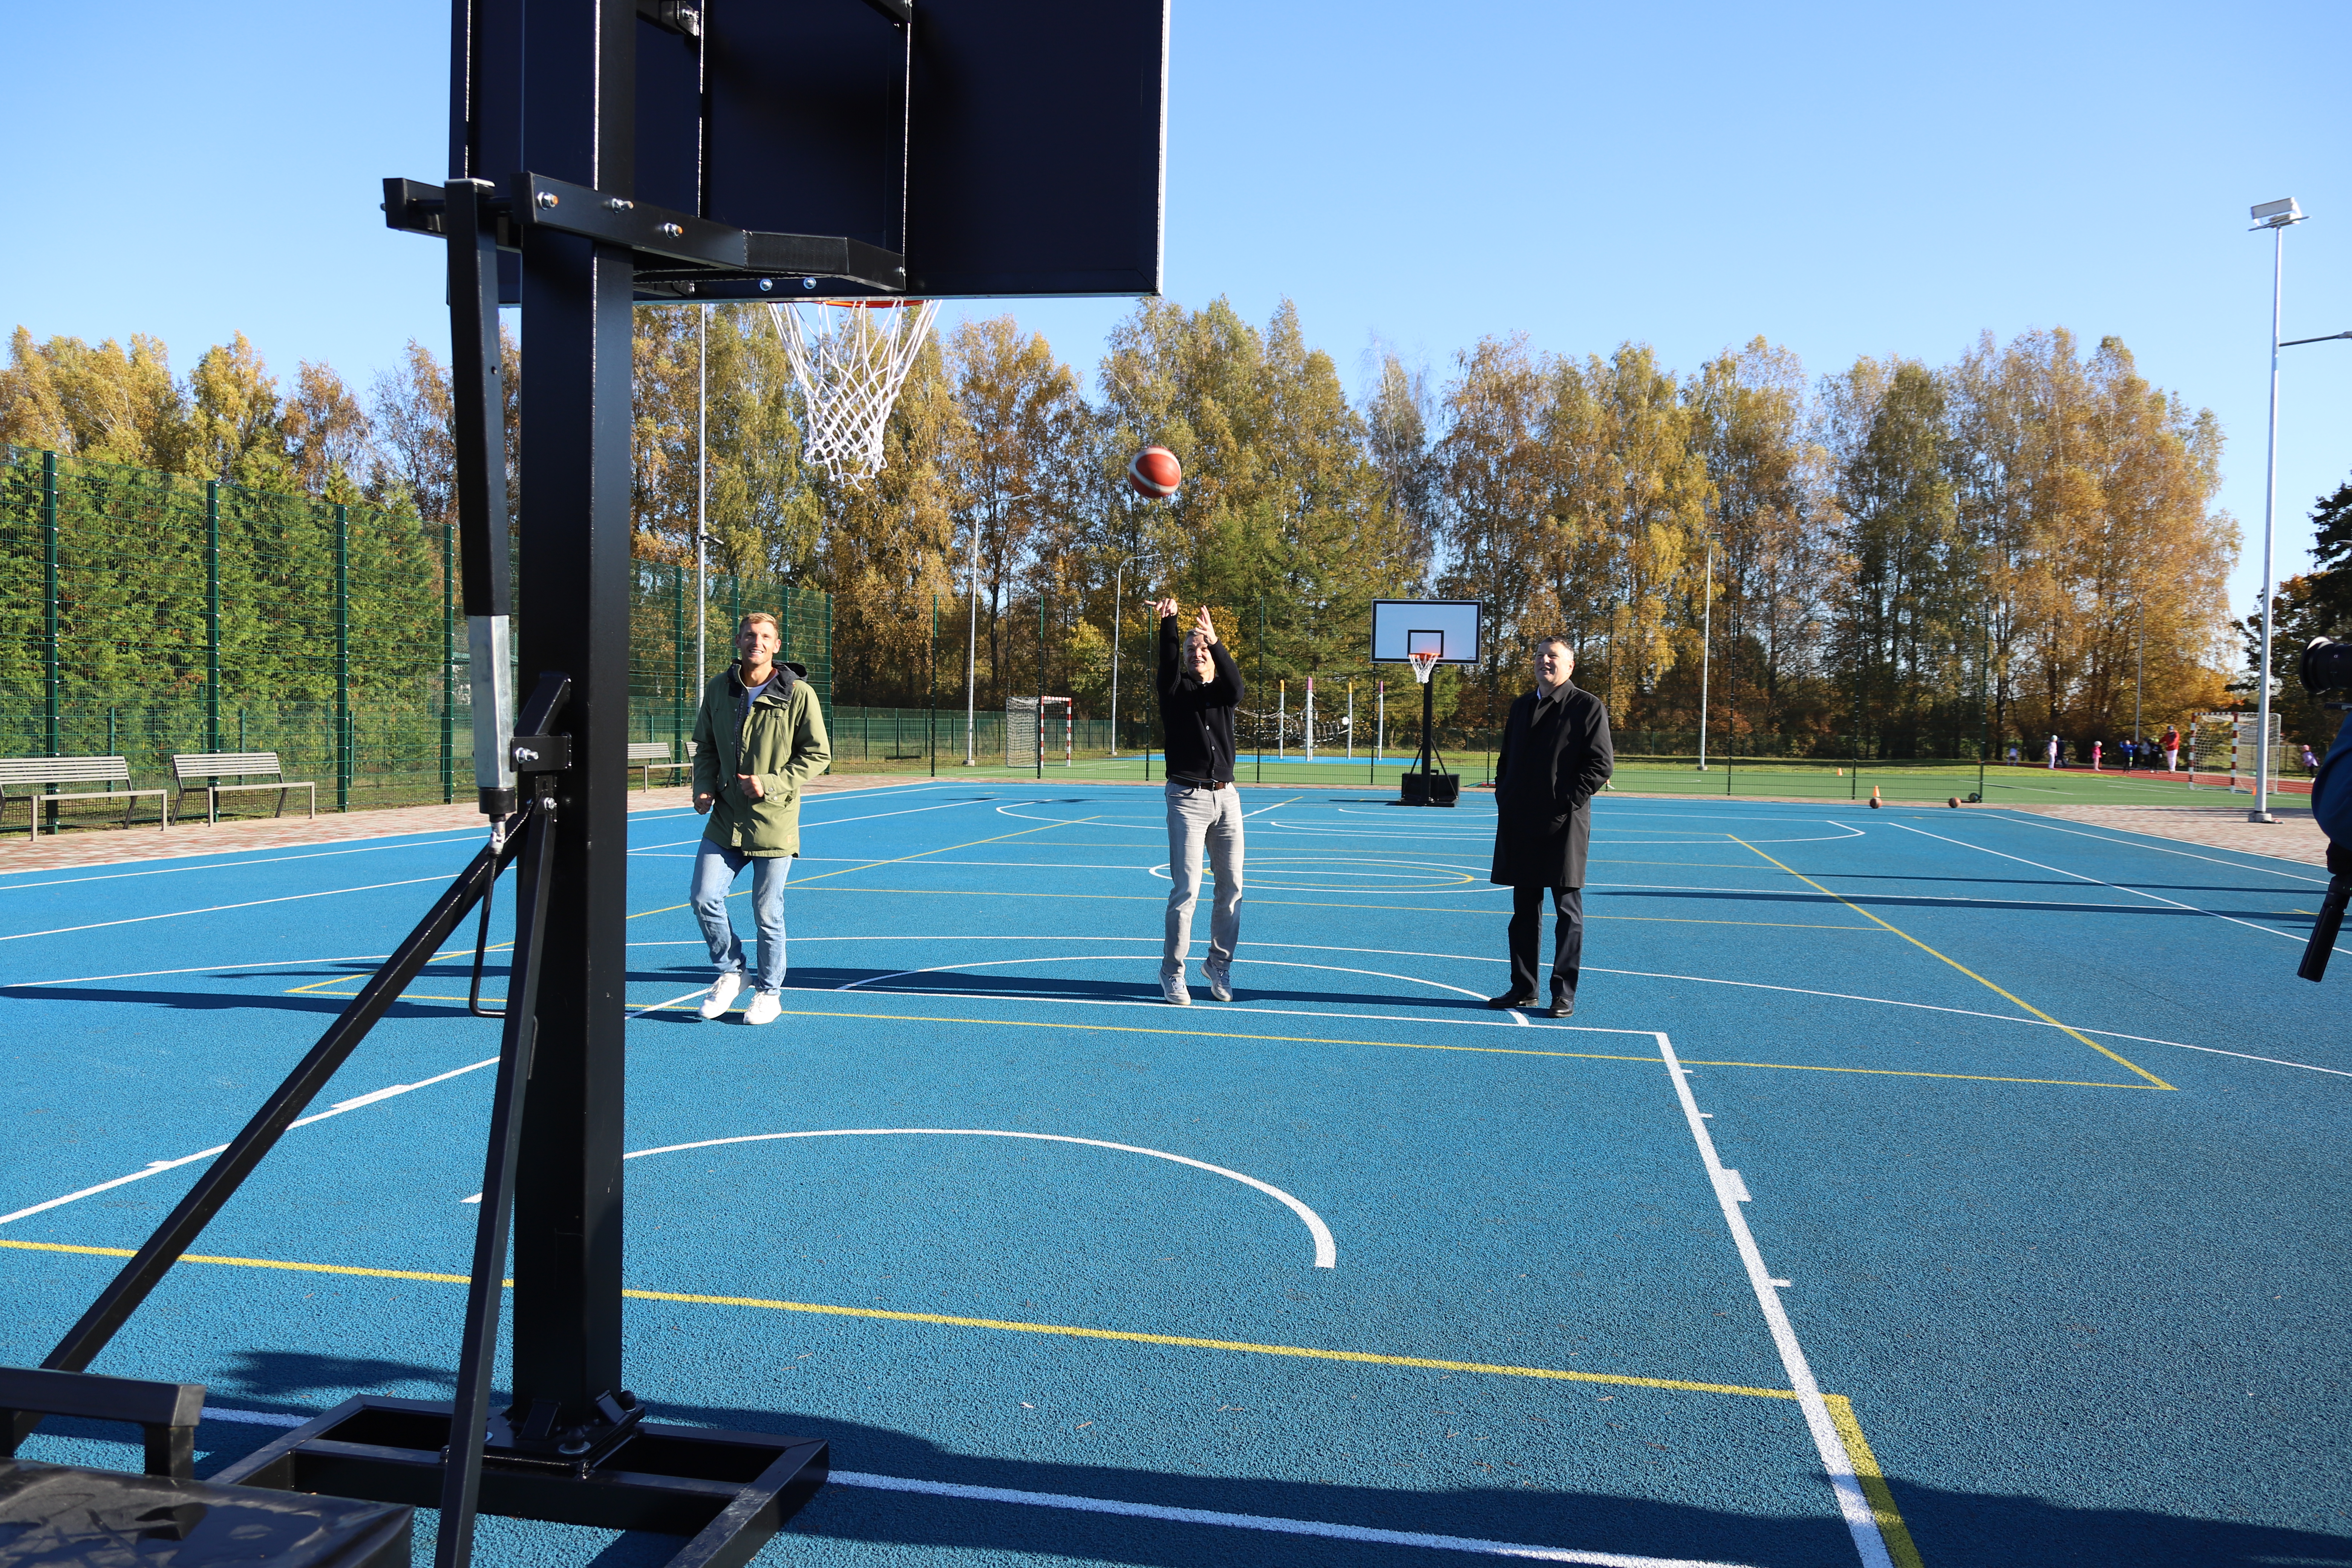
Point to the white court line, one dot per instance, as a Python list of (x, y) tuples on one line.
[(1778, 894), (1258, 1522), (1729, 1193), (240, 865), (2184, 854), (835, 821), (158, 1167), (217, 908), (213, 968), (1326, 1251), (2156, 898), (1137, 958)]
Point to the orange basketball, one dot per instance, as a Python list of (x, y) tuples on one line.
[(1155, 473)]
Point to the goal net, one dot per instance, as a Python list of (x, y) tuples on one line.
[(1033, 726)]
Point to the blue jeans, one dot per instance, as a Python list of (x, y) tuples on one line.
[(715, 869)]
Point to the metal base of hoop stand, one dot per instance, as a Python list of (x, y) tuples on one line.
[(728, 1492), (1422, 785)]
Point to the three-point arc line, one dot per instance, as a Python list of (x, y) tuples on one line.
[(1326, 1251)]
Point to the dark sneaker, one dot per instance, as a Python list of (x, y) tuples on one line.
[(1562, 1006), (1499, 1003)]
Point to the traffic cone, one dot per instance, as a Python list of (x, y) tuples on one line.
[(1873, 797)]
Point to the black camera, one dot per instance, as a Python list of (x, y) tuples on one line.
[(2326, 665)]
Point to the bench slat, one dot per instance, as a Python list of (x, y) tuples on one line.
[(223, 764), (64, 770), (649, 751)]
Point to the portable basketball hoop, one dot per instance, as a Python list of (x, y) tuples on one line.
[(850, 357)]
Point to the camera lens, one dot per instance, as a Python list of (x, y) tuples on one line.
[(2326, 665)]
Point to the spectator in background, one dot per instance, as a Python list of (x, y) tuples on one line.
[(2172, 744), (2051, 751), (2096, 747), (2310, 763), (2130, 749)]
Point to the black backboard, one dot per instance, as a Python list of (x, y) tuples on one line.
[(1005, 147)]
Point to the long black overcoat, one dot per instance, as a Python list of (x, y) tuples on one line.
[(1551, 764)]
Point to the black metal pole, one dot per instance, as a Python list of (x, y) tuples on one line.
[(575, 532), (461, 1476)]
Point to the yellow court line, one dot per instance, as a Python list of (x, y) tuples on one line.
[(846, 871), (1312, 1352), (1900, 1548), (1963, 968)]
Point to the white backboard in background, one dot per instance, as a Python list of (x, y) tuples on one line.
[(1403, 627)]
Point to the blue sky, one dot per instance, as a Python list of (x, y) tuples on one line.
[(1841, 179)]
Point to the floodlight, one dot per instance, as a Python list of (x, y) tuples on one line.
[(2276, 215)]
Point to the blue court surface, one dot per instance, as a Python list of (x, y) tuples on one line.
[(1909, 1187)]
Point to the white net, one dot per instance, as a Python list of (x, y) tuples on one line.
[(850, 361), (1028, 730), (1422, 664)]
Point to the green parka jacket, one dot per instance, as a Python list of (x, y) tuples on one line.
[(782, 742)]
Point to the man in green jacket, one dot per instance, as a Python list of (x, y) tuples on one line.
[(759, 739)]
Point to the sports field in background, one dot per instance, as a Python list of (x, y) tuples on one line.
[(1825, 781), (1910, 1186)]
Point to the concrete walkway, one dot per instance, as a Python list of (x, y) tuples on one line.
[(105, 845), (2294, 836)]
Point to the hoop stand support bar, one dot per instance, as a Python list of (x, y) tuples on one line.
[(222, 1178)]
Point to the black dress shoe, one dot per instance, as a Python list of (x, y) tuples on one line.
[(1562, 1007), (1498, 1003)]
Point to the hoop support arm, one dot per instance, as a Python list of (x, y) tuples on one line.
[(669, 245), (479, 395)]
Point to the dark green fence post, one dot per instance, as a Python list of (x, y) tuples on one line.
[(828, 652), (931, 691), (49, 667), (448, 660), (211, 616), (785, 622), (343, 727)]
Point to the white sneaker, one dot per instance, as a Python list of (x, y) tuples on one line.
[(1171, 990), (1221, 981), (723, 992), (765, 1006)]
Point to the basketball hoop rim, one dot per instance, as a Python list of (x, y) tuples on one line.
[(1424, 665)]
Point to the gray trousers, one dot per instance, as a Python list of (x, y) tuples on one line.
[(1212, 818)]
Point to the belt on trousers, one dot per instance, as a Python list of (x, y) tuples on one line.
[(1203, 784)]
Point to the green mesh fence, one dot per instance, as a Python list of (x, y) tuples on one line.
[(150, 614)]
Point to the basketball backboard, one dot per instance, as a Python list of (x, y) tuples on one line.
[(1003, 148), (1402, 628)]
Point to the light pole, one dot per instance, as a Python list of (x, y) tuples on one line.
[(1117, 625), (701, 489), (1706, 650), (2278, 216), (971, 653)]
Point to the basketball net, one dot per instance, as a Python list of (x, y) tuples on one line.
[(1422, 664), (850, 357)]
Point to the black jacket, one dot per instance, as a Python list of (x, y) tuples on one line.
[(1196, 721), (1550, 766)]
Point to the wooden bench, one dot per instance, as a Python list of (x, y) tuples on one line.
[(652, 754), (35, 779), (214, 766)]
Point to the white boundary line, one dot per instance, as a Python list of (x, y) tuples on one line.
[(1731, 1191), (158, 1167), (1259, 1522), (371, 847), (1326, 1251), (2035, 820), (217, 908), (2135, 892)]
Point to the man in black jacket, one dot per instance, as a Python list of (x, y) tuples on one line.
[(1556, 755), (1199, 686)]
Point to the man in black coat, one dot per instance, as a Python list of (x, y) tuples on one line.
[(1556, 756)]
